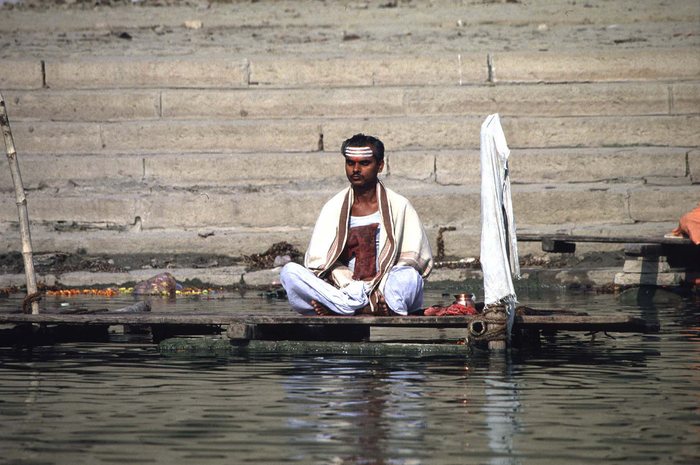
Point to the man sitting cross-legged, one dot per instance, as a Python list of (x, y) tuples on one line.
[(368, 252)]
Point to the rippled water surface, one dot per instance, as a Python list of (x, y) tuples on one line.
[(632, 399)]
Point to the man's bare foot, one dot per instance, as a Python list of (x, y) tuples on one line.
[(383, 308), (320, 309)]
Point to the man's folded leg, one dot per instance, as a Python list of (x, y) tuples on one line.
[(303, 286)]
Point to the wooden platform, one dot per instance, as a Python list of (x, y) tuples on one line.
[(289, 326)]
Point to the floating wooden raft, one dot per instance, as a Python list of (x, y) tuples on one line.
[(289, 326)]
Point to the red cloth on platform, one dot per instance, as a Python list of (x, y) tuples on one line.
[(452, 310)]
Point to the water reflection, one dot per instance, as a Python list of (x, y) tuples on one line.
[(501, 411), (574, 399), (373, 412)]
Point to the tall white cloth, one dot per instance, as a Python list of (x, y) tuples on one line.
[(499, 248)]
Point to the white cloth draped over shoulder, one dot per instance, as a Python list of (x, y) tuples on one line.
[(402, 240), (499, 248)]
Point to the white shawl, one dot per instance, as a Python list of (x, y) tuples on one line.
[(499, 247), (402, 239)]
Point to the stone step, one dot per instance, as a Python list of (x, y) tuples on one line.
[(308, 134), (124, 207), (286, 71), (570, 99), (238, 241), (648, 165)]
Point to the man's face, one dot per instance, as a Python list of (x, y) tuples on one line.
[(362, 171)]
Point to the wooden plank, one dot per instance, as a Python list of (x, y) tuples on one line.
[(613, 323), (183, 318), (607, 239), (556, 320)]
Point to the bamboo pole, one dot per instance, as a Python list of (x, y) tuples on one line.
[(21, 200)]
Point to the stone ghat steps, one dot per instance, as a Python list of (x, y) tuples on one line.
[(541, 99), (440, 132), (224, 71), (241, 240), (124, 207), (252, 170)]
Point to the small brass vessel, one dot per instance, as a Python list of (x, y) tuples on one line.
[(466, 299)]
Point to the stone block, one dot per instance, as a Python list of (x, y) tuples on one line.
[(662, 203), (694, 165), (462, 132), (215, 208), (595, 164), (233, 241), (129, 72), (646, 265), (649, 279), (85, 208), (408, 133), (446, 206), (414, 165), (56, 138), (685, 98), (460, 167), (20, 74), (201, 136), (601, 131), (538, 204), (384, 71), (262, 277), (609, 65), (282, 103), (251, 168), (57, 170), (103, 105), (571, 99)]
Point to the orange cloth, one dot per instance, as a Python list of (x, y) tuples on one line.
[(689, 225)]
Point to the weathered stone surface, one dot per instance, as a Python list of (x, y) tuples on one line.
[(212, 208), (89, 169), (231, 241), (662, 203), (98, 105), (43, 137), (535, 204), (123, 72), (649, 279), (282, 103), (694, 165), (433, 133), (601, 131), (389, 70), (252, 168), (461, 167), (262, 277), (188, 136), (596, 164), (571, 99), (414, 165), (88, 208), (19, 74), (685, 97), (610, 65), (646, 265)]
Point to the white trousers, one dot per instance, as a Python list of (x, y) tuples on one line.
[(403, 291)]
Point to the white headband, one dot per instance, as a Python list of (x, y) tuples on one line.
[(358, 152)]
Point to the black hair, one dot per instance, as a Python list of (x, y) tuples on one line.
[(361, 140)]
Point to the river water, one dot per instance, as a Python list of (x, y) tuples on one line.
[(575, 400)]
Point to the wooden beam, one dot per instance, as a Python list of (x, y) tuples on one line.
[(524, 237)]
